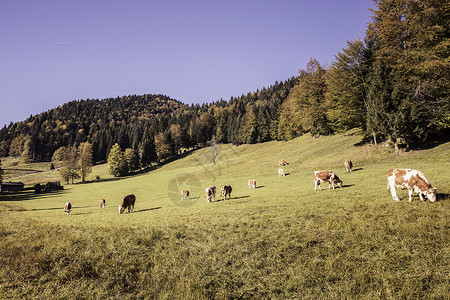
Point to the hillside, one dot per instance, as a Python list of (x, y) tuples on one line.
[(281, 240)]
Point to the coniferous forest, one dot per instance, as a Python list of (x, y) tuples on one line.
[(394, 85)]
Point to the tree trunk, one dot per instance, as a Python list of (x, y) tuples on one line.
[(375, 138)]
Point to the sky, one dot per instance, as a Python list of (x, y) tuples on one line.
[(196, 51)]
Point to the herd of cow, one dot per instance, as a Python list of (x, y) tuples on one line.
[(413, 180)]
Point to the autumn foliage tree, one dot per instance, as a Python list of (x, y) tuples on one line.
[(85, 159)]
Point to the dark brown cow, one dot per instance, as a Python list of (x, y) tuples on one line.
[(127, 202), (348, 165), (184, 194), (326, 176), (67, 208), (102, 203), (413, 180), (226, 191), (210, 193)]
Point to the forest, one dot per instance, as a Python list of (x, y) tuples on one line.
[(394, 84)]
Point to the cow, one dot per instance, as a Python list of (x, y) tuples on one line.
[(67, 208), (282, 162), (184, 194), (226, 190), (348, 165), (102, 203), (210, 193), (252, 183), (413, 180), (326, 176), (127, 202), (281, 172)]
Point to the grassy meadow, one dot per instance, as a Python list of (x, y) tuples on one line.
[(281, 240)]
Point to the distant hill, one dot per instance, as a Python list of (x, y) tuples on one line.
[(137, 122), (81, 120)]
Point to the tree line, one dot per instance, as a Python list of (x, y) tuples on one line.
[(394, 84)]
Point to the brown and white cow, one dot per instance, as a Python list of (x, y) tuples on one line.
[(67, 208), (184, 194), (210, 193), (226, 191), (326, 176), (127, 202), (252, 183), (282, 162), (281, 172), (413, 180), (348, 165), (102, 203)]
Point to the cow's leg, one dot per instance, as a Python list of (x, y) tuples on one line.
[(393, 192), (410, 192), (420, 196)]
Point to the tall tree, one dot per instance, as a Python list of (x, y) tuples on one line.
[(1, 172), (132, 159), (410, 39), (85, 159), (70, 167), (117, 164), (304, 109), (346, 88)]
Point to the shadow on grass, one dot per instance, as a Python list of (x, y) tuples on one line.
[(260, 187), (28, 194), (232, 198), (147, 209), (347, 185), (442, 197), (357, 169)]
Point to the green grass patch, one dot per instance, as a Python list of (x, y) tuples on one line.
[(281, 240)]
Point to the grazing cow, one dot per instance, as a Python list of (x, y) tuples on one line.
[(210, 193), (282, 162), (184, 194), (326, 176), (252, 183), (127, 202), (413, 180), (348, 165), (226, 190), (67, 208), (102, 203), (281, 172)]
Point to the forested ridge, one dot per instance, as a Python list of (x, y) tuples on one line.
[(394, 85)]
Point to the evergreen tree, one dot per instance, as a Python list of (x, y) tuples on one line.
[(346, 88), (1, 172), (147, 152)]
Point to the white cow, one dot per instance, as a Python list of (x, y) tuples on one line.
[(210, 193), (252, 183), (413, 180)]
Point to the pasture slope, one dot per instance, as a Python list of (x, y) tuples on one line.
[(281, 240)]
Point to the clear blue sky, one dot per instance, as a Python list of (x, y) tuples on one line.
[(194, 51)]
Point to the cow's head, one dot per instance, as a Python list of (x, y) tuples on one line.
[(431, 194), (338, 181), (121, 209)]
